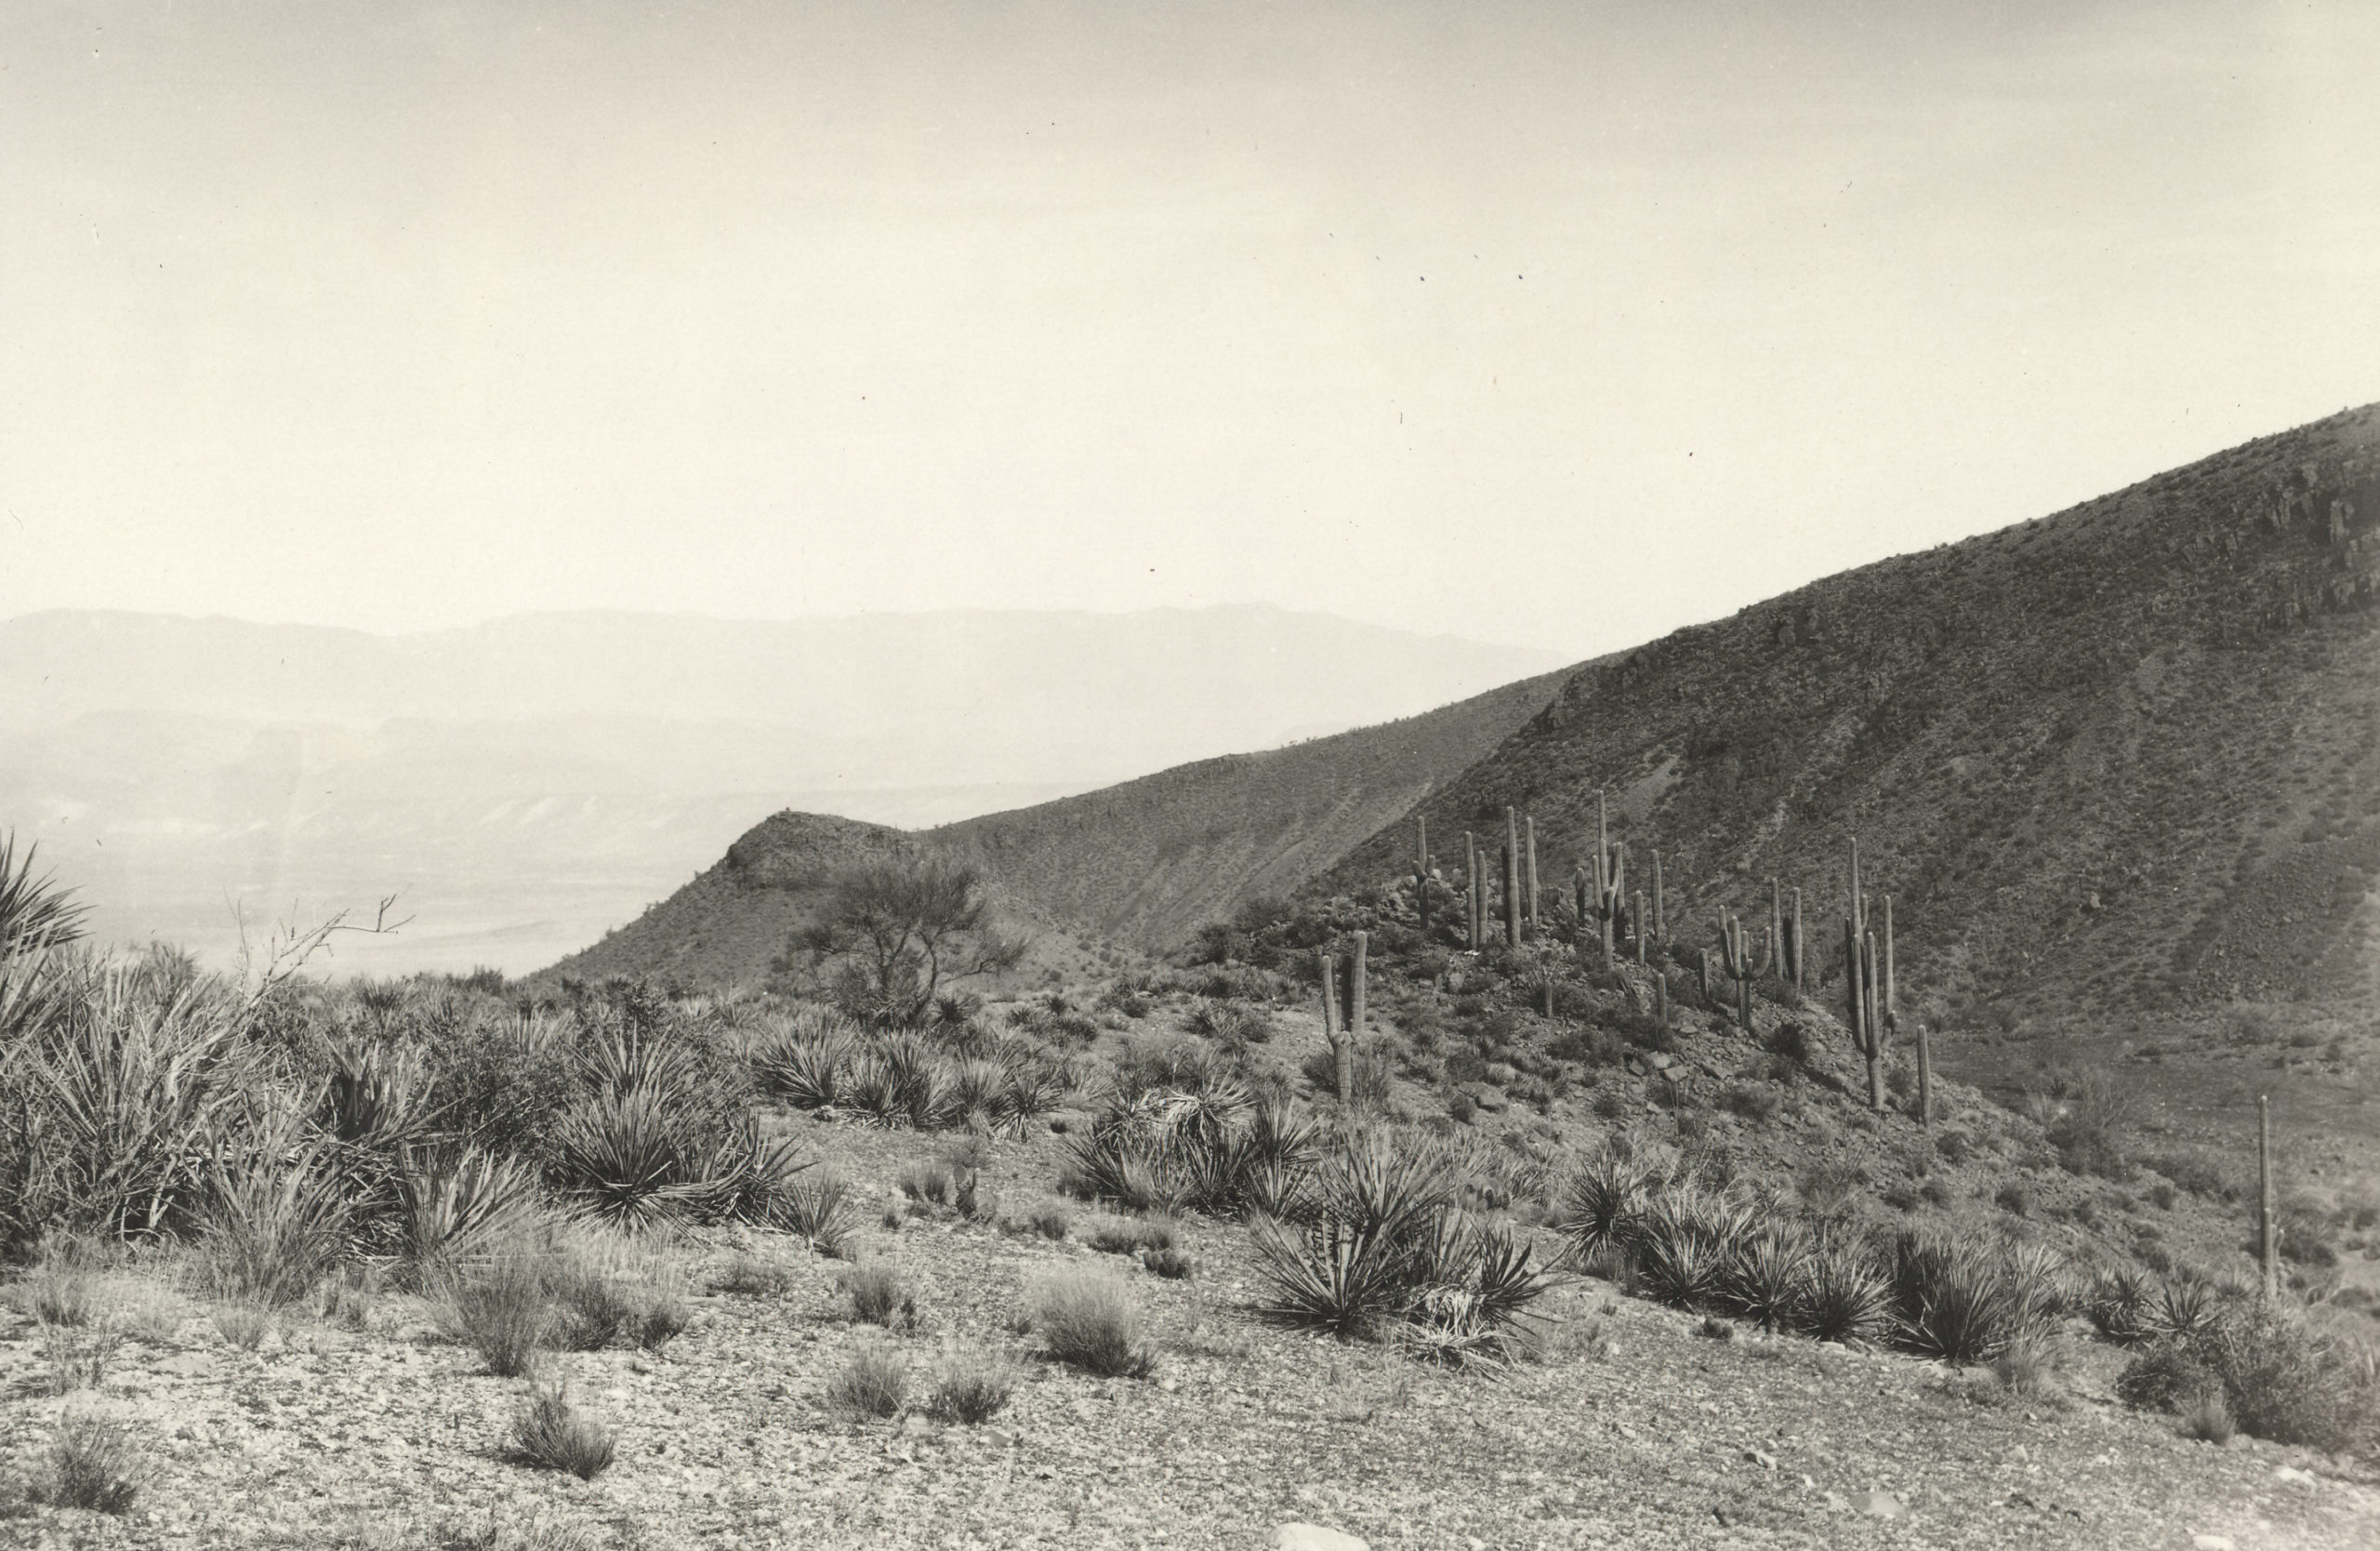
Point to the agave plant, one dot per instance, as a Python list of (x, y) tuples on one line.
[(1602, 1203), (804, 1067), (2186, 1309), (629, 1158), (2118, 1306), (35, 914), (1961, 1307)]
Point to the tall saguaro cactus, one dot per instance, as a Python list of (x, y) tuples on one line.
[(1799, 948), (1925, 1078), (1864, 1006), (1512, 880), (1342, 1021), (1470, 891), (1661, 924), (1421, 871), (1330, 968), (1528, 837)]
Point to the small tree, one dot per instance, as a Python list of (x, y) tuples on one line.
[(895, 931)]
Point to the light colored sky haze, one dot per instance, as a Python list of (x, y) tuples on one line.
[(1557, 324)]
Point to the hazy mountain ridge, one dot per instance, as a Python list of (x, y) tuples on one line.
[(527, 783)]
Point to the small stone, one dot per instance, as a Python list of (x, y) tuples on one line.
[(1314, 1537), (1760, 1457), (1877, 1504), (2212, 1543), (2290, 1473)]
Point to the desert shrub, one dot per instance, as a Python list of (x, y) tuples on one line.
[(2014, 1199), (879, 1295), (2163, 1375), (1955, 1146), (552, 1434), (970, 1388), (1827, 1189), (274, 1223), (658, 1317), (61, 1289), (2205, 1415), (904, 1079), (1089, 1318), (1599, 1205), (2284, 1382), (1129, 1234), (1370, 1076), (93, 1465), (1196, 1137), (873, 1381), (591, 1307), (1789, 1040), (1171, 1264), (2024, 1368), (1751, 1101), (77, 1356), (2085, 1115), (1845, 1296), (460, 1206), (2186, 1308), (499, 1311), (818, 1207), (1231, 1023)]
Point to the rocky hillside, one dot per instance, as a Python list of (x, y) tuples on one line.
[(1145, 861), (1151, 859), (2119, 767)]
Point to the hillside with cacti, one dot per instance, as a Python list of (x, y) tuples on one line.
[(2118, 771)]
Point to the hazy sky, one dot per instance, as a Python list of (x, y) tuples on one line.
[(1557, 324)]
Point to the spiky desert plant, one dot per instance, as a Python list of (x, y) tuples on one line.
[(555, 1435), (2118, 1306), (1767, 1280), (1602, 1203), (1686, 1239), (459, 1206), (819, 1208), (1847, 1296), (275, 1222), (873, 1381), (803, 1066), (93, 1465), (498, 1309), (35, 913)]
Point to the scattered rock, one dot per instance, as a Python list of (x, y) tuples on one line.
[(2290, 1473), (1314, 1537), (1877, 1504), (2212, 1543), (1759, 1457)]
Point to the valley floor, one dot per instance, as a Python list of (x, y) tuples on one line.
[(1632, 1428)]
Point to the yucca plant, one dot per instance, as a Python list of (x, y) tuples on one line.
[(1601, 1203), (274, 1223), (628, 1158), (1685, 1240), (1959, 1307), (1769, 1276), (1845, 1296), (2186, 1309), (461, 1206), (818, 1207), (2118, 1306), (804, 1067), (35, 913)]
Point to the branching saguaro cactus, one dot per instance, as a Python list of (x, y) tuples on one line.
[(1743, 964), (1472, 904), (1863, 1007), (1512, 880)]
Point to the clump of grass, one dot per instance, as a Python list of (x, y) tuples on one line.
[(554, 1435), (751, 1276), (94, 1466), (1089, 1319), (1129, 1234), (926, 1182), (970, 1388), (591, 1306), (2024, 1368), (60, 1291), (880, 1295), (874, 1381), (661, 1318), (499, 1311), (244, 1325), (2207, 1417), (1715, 1329), (1171, 1264), (1047, 1219), (77, 1357)]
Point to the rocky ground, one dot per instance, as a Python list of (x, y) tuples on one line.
[(1633, 1428)]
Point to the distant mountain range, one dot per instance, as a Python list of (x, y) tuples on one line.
[(527, 783)]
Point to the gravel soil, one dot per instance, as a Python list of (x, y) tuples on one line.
[(1632, 1428)]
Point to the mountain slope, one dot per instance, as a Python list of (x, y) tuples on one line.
[(2117, 767), (1145, 860), (1150, 859)]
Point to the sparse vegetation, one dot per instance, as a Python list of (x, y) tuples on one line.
[(1089, 1318), (553, 1433)]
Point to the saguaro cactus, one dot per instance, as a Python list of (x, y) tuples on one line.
[(1743, 965), (1636, 923), (1528, 837), (1470, 891), (1512, 880), (1795, 946), (1421, 871), (1777, 927), (1356, 978), (1924, 1078), (1661, 926), (1330, 968), (1864, 1006), (2267, 1223)]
